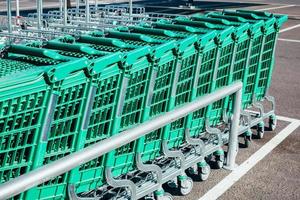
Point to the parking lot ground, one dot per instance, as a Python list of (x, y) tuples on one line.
[(277, 175)]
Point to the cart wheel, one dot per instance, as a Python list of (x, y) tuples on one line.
[(172, 184), (165, 196), (186, 186), (204, 172), (247, 141), (272, 122), (193, 170), (220, 159), (260, 131)]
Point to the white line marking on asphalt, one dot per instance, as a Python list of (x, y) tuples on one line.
[(289, 28), (288, 40), (241, 170), (274, 8), (287, 119)]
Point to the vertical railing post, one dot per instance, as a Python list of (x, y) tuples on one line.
[(87, 11), (17, 8), (39, 14), (65, 12), (234, 132), (77, 6), (130, 10), (9, 24), (61, 5)]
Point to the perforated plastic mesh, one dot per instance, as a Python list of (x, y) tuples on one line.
[(252, 71), (8, 66), (266, 65)]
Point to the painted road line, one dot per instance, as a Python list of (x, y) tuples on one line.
[(287, 119), (241, 170), (274, 8), (288, 40), (281, 118), (289, 28)]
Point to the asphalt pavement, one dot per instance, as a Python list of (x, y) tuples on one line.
[(277, 176)]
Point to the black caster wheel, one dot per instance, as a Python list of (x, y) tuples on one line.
[(193, 170), (220, 159), (186, 186), (247, 141), (272, 123), (260, 131), (247, 138), (172, 184), (204, 172), (165, 196)]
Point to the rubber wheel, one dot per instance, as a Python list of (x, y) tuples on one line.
[(166, 196), (193, 170), (247, 141), (204, 173), (220, 161), (186, 186), (260, 132), (272, 123), (172, 184)]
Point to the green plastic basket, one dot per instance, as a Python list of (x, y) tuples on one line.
[(262, 63), (223, 64), (247, 55), (27, 98), (207, 51), (187, 65)]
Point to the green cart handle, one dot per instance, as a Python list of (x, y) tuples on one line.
[(223, 34), (259, 13), (161, 32), (227, 17), (258, 25), (62, 70), (185, 43), (269, 23), (102, 41), (130, 36), (280, 20), (204, 39), (67, 39), (211, 20), (55, 44), (242, 29), (176, 27), (131, 57), (195, 23), (101, 63), (159, 51), (246, 15), (96, 33), (38, 52), (253, 27)]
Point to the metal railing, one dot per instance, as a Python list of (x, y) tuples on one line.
[(58, 167)]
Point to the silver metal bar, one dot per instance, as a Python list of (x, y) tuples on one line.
[(87, 11), (21, 36), (39, 13), (234, 132), (130, 9), (96, 4), (46, 172), (61, 6), (9, 23), (17, 8), (65, 13), (77, 6)]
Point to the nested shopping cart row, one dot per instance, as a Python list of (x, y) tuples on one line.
[(60, 96)]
